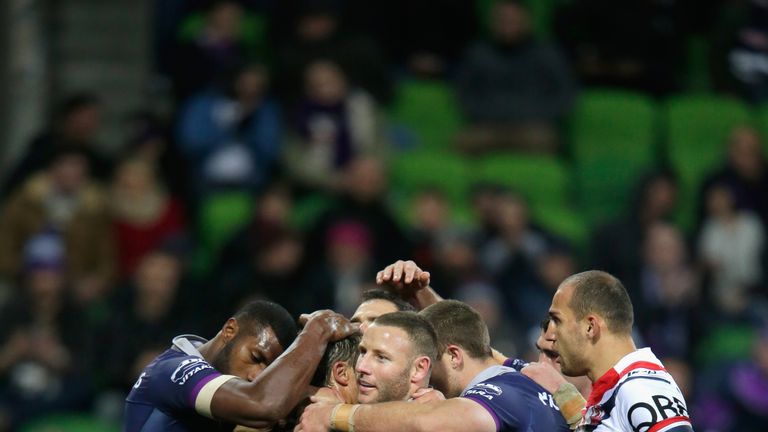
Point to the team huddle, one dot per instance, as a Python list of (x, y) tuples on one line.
[(407, 360)]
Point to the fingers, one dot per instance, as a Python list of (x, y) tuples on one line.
[(424, 278), (397, 271)]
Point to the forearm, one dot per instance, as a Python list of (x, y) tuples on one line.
[(279, 388), (458, 414), (425, 297)]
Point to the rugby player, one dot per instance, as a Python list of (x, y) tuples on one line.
[(378, 302), (591, 320), (485, 396), (199, 385)]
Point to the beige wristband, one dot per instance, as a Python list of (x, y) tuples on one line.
[(342, 417), (570, 402)]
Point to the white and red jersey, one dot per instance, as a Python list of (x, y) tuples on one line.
[(636, 395)]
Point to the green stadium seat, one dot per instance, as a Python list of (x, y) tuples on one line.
[(69, 423), (308, 209), (430, 110), (543, 180), (761, 119), (698, 127), (566, 223), (414, 171), (613, 134), (221, 215)]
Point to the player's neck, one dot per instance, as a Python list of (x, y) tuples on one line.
[(472, 367), (208, 349), (613, 349)]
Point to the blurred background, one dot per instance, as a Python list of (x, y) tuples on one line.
[(164, 161)]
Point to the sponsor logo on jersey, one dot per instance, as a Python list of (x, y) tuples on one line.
[(187, 369)]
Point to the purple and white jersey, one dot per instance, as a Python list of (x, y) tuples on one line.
[(174, 392), (515, 401)]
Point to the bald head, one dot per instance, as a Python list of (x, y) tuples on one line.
[(599, 293)]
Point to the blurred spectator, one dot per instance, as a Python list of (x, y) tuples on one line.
[(745, 173), (316, 35), (144, 215), (76, 126), (148, 311), (431, 222), (43, 341), (617, 246), (748, 54), (512, 255), (273, 271), (665, 295), (232, 137), (736, 399), (731, 243), (64, 201), (487, 301), (429, 38), (148, 139), (348, 268), (635, 44), (334, 124), (363, 200), (213, 52), (514, 89)]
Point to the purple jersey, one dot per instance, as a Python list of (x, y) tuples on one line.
[(166, 396), (515, 401)]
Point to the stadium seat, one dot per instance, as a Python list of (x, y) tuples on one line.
[(68, 423), (221, 214), (308, 209), (429, 109), (417, 170), (413, 171), (697, 129), (761, 119), (543, 180), (613, 134)]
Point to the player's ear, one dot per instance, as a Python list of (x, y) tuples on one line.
[(593, 326), (230, 329), (456, 356), (421, 368), (342, 373)]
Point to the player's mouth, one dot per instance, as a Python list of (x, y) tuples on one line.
[(551, 354), (365, 386)]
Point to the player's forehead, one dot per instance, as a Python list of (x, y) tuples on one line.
[(387, 338), (374, 308), (560, 301), (264, 341)]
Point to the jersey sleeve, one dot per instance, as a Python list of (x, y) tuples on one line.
[(186, 383), (516, 364), (652, 404), (502, 402)]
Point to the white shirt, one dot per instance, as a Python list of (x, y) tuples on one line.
[(636, 395)]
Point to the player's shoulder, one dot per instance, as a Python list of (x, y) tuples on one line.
[(648, 397)]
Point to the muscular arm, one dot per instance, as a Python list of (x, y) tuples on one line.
[(457, 414), (281, 386)]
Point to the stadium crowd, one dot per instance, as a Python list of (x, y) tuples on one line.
[(276, 177)]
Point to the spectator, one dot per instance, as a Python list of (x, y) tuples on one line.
[(76, 126), (335, 123), (665, 296), (429, 39), (636, 44), (348, 267), (232, 137), (213, 52), (147, 312), (363, 200), (730, 244), (64, 201), (748, 53), (431, 221), (745, 173), (318, 35), (617, 246), (43, 341), (144, 215), (148, 139), (514, 89)]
